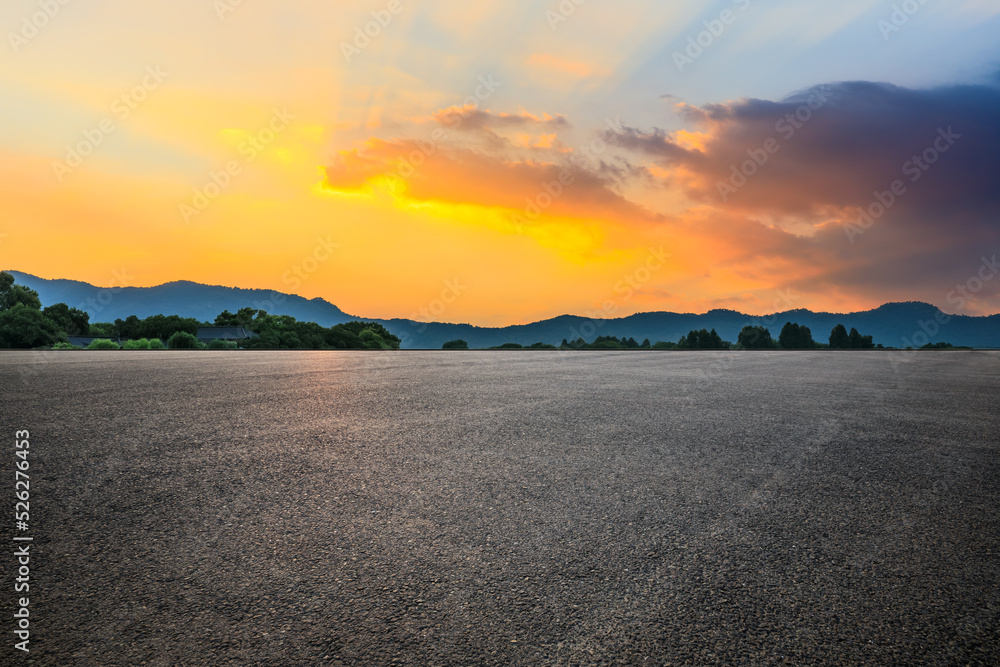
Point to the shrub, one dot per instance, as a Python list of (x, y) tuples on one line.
[(103, 344), (156, 344), (140, 344), (457, 344), (219, 344), (66, 346), (182, 340)]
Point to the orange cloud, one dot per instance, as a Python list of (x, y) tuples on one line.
[(446, 173)]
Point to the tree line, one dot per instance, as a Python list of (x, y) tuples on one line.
[(793, 336), (24, 323)]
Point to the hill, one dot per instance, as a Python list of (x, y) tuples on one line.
[(182, 297), (893, 324)]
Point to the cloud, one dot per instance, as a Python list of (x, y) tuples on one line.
[(860, 189), (770, 193), (834, 146), (470, 117), (451, 173)]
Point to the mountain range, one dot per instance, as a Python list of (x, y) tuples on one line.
[(892, 324)]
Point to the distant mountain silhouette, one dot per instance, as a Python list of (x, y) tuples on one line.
[(892, 324), (911, 323), (182, 297)]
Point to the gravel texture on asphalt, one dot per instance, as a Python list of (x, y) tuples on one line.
[(493, 508)]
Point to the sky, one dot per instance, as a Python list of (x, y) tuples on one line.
[(503, 162)]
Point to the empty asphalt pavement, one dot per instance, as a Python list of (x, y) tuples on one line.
[(464, 508)]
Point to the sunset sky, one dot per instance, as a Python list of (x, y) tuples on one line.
[(512, 160)]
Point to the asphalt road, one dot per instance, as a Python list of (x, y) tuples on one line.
[(464, 508)]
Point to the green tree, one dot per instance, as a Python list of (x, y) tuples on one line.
[(859, 342), (22, 326), (358, 326), (854, 339), (645, 345), (607, 343), (103, 329), (129, 327), (103, 344), (339, 338), (702, 339), (267, 340), (162, 326), (457, 344), (796, 337), (243, 317), (755, 338), (839, 340), (11, 294), (73, 321), (136, 344), (372, 340)]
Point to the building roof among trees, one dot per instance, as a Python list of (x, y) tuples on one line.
[(224, 333)]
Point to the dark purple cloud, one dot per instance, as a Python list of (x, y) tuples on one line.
[(901, 186)]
